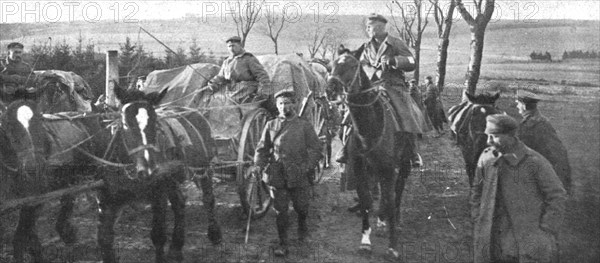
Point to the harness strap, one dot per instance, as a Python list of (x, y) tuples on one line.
[(102, 161)]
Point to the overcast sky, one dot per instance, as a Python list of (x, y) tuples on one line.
[(131, 11)]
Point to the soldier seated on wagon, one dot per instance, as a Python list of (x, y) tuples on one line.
[(16, 76), (241, 73)]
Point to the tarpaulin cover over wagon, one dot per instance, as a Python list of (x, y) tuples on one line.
[(181, 81)]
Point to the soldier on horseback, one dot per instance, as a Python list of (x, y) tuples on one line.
[(241, 73), (384, 59), (16, 76)]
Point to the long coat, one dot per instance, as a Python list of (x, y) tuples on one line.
[(517, 205), (292, 145), (241, 75), (538, 134), (393, 81)]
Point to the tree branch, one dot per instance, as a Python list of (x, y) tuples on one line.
[(465, 13)]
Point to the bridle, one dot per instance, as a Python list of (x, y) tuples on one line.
[(352, 82)]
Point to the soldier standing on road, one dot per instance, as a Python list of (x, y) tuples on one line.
[(517, 200), (537, 133), (289, 149), (16, 76), (433, 106), (241, 73)]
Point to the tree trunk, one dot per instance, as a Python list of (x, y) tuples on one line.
[(443, 47), (276, 47), (441, 63), (416, 73), (474, 69)]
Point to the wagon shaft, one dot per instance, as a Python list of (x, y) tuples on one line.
[(43, 198)]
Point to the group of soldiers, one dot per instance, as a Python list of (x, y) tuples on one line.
[(517, 199)]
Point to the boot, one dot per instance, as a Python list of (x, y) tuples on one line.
[(302, 230)]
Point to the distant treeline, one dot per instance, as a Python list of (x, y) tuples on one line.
[(134, 61), (540, 56), (579, 54)]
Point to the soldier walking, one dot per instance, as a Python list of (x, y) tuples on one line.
[(289, 149)]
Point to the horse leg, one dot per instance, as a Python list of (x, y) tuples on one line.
[(388, 193), (26, 235), (177, 200), (364, 196), (158, 233), (109, 213), (208, 199), (64, 226)]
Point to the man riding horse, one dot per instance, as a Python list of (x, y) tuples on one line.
[(385, 58)]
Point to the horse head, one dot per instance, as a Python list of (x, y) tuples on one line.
[(54, 96), (483, 105), (139, 122), (346, 77), (26, 145)]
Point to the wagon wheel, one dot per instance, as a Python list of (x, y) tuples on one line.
[(317, 119), (254, 194)]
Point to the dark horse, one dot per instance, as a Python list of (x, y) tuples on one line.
[(160, 168), (375, 148), (126, 155), (34, 162), (467, 122)]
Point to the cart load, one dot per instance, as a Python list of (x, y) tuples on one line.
[(183, 82)]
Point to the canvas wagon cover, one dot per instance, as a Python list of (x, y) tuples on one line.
[(182, 81), (290, 70)]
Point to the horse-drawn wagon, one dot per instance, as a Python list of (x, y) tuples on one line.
[(237, 127)]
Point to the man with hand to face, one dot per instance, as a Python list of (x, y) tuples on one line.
[(15, 75), (241, 73), (517, 200), (289, 149)]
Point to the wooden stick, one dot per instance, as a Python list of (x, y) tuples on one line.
[(38, 199)]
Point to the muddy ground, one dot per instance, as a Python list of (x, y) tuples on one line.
[(435, 224)]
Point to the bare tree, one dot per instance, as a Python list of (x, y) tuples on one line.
[(411, 37), (477, 25), (316, 37), (444, 25), (273, 25), (333, 41), (245, 14)]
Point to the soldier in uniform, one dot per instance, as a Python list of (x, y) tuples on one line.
[(517, 200), (289, 148), (433, 106), (240, 74), (16, 76), (384, 59), (537, 133)]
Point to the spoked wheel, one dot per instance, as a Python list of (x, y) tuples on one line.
[(317, 119), (254, 193)]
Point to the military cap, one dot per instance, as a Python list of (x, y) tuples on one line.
[(377, 17), (527, 96), (14, 45), (286, 93), (234, 39), (500, 124)]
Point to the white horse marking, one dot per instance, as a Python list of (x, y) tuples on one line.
[(24, 115), (366, 237), (142, 120)]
